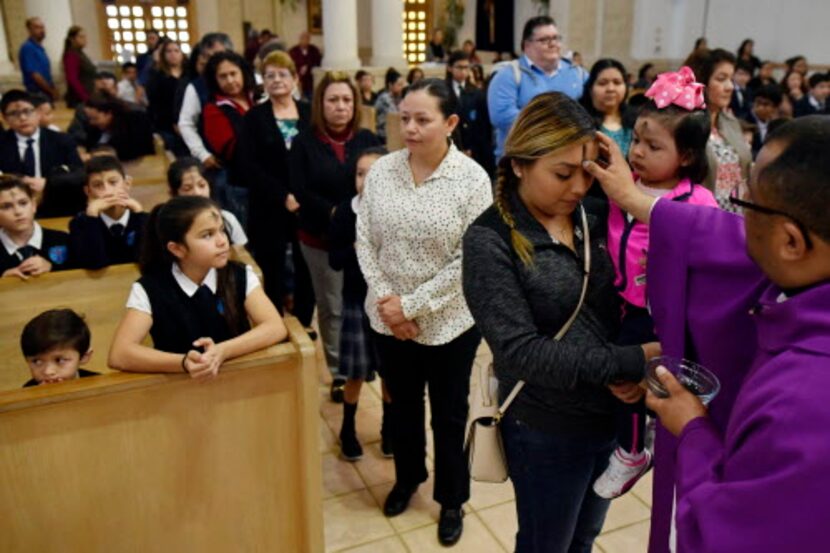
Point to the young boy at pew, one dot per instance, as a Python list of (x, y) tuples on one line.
[(55, 345), (28, 249), (45, 108), (109, 231), (191, 299), (187, 177)]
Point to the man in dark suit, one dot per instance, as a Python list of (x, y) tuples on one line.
[(47, 160), (815, 101), (471, 108)]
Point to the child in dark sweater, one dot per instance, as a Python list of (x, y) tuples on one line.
[(27, 248), (109, 231), (55, 345)]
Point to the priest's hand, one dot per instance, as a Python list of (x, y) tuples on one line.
[(677, 410), (614, 175)]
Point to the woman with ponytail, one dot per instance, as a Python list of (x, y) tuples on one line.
[(523, 273), (193, 302)]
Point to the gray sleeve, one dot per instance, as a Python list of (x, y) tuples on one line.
[(502, 313)]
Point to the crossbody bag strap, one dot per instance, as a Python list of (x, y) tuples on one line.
[(562, 331)]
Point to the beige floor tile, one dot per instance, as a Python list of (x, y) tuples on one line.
[(339, 476), (501, 521), (374, 467), (368, 421), (483, 494), (422, 509), (631, 539), (625, 511), (643, 488), (475, 539), (328, 442), (353, 519), (392, 544)]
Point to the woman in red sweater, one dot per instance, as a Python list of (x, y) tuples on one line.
[(230, 82)]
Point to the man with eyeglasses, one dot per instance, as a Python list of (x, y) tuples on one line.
[(540, 69), (47, 160), (749, 298)]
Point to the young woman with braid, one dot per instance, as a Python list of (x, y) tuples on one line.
[(523, 269)]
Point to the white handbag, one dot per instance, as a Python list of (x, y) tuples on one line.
[(483, 447)]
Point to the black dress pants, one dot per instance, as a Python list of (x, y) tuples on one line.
[(408, 369)]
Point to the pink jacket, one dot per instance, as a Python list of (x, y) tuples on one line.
[(628, 241)]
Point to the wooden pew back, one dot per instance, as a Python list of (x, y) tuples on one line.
[(394, 140), (368, 118), (97, 295), (128, 462)]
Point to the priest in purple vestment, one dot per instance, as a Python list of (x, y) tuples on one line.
[(749, 298)]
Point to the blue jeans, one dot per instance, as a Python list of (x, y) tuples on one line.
[(553, 475)]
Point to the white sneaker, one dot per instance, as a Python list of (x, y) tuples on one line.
[(621, 474)]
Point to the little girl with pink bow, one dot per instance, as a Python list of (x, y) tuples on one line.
[(668, 158)]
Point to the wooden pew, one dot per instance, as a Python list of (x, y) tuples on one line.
[(394, 140), (368, 118), (99, 296), (131, 462), (150, 169)]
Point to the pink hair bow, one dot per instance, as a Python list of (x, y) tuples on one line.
[(678, 88)]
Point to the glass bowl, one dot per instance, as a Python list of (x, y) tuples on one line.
[(696, 378)]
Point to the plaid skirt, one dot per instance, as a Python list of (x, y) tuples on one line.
[(358, 355)]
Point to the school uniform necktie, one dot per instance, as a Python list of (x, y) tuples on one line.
[(117, 230), (29, 158), (25, 252)]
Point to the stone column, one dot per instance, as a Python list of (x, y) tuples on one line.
[(6, 66), (387, 35), (340, 34), (57, 15)]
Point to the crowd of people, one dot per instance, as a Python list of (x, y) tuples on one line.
[(678, 213)]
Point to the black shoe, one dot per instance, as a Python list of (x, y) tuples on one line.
[(311, 333), (450, 526), (398, 500), (386, 447), (350, 448), (337, 389)]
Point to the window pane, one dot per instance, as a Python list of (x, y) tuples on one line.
[(140, 36), (138, 11), (126, 24), (156, 11), (138, 23), (128, 36), (112, 11), (116, 35), (112, 23), (169, 11), (186, 48), (184, 36), (142, 48), (125, 10), (181, 11), (170, 24), (172, 35), (182, 23), (158, 24)]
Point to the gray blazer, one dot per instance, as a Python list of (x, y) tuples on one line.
[(730, 129)]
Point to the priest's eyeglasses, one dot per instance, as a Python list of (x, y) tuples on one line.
[(734, 200)]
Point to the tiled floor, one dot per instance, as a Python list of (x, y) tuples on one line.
[(354, 492)]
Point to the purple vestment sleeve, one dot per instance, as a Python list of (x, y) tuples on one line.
[(701, 287)]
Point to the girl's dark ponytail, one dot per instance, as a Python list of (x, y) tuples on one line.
[(154, 255)]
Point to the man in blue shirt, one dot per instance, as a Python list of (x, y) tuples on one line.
[(34, 62), (540, 69)]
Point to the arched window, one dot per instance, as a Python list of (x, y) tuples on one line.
[(416, 14), (127, 23)]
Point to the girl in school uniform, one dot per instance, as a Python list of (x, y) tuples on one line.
[(358, 354), (188, 177), (194, 303)]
